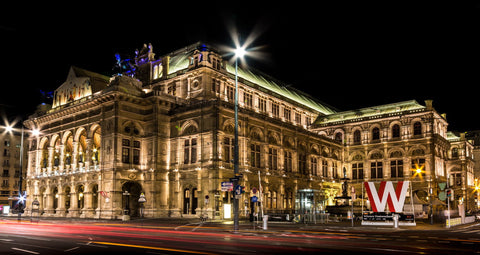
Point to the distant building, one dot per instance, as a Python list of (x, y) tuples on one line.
[(165, 127), (10, 170)]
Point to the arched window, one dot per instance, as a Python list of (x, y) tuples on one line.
[(375, 134), (356, 137), (339, 137), (417, 128), (396, 131)]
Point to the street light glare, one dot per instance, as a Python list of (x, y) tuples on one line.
[(8, 128), (240, 52), (35, 132)]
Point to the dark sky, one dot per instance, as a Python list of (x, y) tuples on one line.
[(349, 55)]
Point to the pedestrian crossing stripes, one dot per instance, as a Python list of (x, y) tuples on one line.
[(466, 231)]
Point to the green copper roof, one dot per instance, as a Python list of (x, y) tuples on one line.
[(287, 92), (370, 112), (179, 60)]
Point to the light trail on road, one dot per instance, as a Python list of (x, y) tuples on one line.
[(215, 239)]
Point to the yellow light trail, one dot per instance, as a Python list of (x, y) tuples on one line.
[(153, 248)]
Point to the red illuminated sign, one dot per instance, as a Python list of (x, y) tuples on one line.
[(394, 197)]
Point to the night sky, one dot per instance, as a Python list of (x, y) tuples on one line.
[(349, 55)]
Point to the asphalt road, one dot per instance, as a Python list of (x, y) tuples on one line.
[(113, 237)]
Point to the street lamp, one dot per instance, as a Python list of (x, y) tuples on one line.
[(239, 54), (21, 197)]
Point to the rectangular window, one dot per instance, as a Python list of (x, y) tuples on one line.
[(248, 99), (136, 157), (287, 114), (194, 151), (125, 155), (228, 145), (298, 118), (255, 155), (456, 180), (262, 105), (302, 163), (396, 168), (275, 110), (190, 151), (324, 168), (136, 144), (288, 161), (313, 166), (357, 171), (186, 152), (127, 148), (273, 158), (376, 170), (230, 93), (215, 86)]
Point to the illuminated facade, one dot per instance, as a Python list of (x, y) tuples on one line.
[(404, 141), (165, 128)]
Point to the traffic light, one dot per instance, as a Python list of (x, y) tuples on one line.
[(450, 194)]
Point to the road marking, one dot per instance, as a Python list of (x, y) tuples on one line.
[(471, 231), (18, 249), (153, 248), (390, 250), (6, 240), (74, 248), (90, 244)]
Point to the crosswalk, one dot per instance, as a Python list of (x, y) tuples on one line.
[(475, 230)]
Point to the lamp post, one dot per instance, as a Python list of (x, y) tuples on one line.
[(21, 198), (239, 53)]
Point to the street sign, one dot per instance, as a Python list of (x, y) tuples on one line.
[(227, 186), (254, 190), (254, 199), (238, 190)]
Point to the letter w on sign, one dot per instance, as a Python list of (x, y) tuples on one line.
[(387, 194)]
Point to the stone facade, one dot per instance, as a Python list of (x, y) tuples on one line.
[(165, 128)]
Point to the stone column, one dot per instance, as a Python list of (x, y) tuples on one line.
[(88, 154), (61, 164), (73, 210), (87, 210), (60, 210), (164, 193), (48, 202), (75, 156), (51, 153)]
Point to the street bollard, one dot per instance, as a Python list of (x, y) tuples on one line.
[(395, 220), (265, 219)]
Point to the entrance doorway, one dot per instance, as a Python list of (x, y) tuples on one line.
[(130, 201), (190, 201)]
